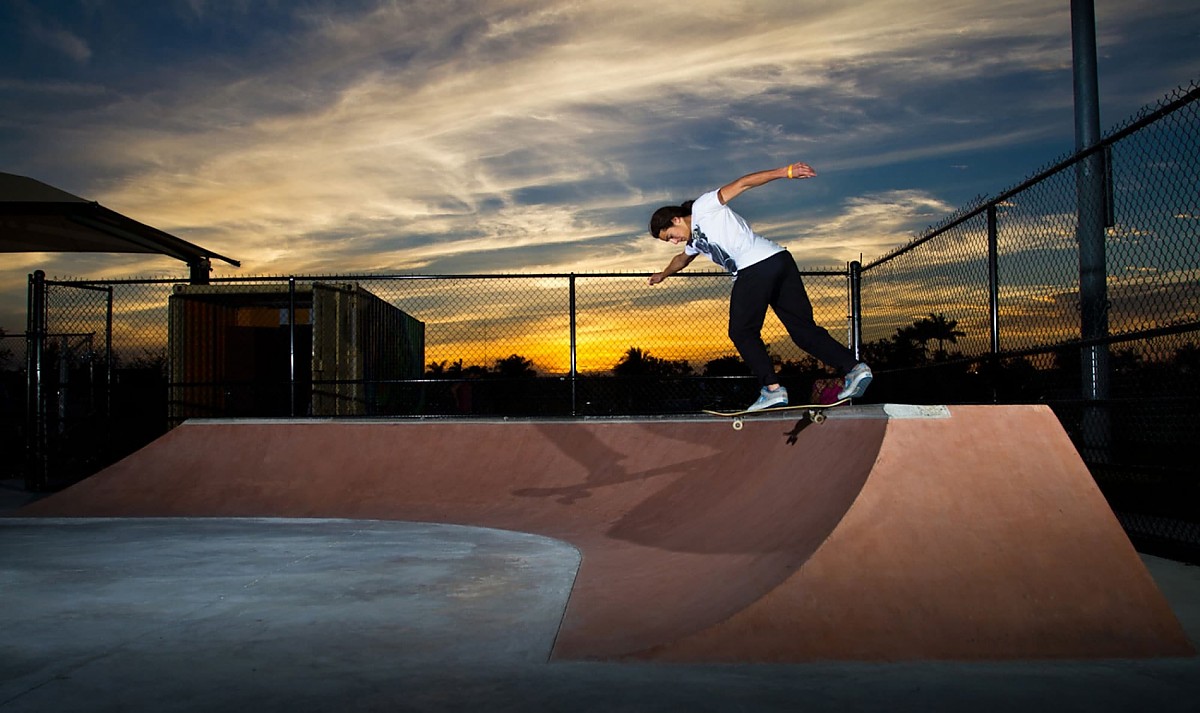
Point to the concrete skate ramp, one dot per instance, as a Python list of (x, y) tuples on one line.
[(975, 535)]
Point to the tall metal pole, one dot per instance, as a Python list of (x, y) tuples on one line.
[(1093, 267), (199, 270)]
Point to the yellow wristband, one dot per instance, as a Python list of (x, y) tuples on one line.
[(789, 170)]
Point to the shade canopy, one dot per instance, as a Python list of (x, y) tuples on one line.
[(36, 217)]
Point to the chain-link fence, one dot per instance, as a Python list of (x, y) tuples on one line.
[(1000, 303), (149, 354)]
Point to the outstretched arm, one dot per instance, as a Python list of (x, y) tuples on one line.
[(753, 180), (677, 263)]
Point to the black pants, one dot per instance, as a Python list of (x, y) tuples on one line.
[(775, 283)]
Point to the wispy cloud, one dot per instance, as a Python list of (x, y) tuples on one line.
[(46, 30)]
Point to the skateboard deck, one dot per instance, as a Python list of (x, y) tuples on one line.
[(814, 412)]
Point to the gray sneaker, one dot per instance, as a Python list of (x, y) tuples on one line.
[(768, 399), (856, 382)]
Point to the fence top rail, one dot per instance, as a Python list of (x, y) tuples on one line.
[(86, 283), (984, 205), (97, 286), (833, 272)]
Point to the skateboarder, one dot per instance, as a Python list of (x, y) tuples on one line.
[(764, 274)]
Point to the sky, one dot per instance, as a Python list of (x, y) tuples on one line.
[(526, 136)]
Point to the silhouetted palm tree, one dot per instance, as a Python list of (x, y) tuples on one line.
[(515, 366), (636, 362), (942, 329)]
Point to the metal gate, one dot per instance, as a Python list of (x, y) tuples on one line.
[(69, 369)]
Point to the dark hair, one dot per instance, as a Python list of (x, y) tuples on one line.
[(663, 217)]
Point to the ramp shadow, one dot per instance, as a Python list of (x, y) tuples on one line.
[(760, 493)]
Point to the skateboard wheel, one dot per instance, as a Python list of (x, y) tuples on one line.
[(818, 417), (737, 424)]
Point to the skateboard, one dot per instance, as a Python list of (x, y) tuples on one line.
[(814, 412)]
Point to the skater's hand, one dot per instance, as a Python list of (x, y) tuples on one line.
[(800, 170), (677, 263)]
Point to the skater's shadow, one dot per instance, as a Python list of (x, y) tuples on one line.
[(604, 465)]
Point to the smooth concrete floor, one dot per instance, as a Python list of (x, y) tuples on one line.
[(339, 615)]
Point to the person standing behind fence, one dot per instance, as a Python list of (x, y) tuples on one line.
[(764, 275)]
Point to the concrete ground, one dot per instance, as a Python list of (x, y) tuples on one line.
[(317, 615)]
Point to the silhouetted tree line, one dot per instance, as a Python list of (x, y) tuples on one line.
[(918, 363), (918, 367), (508, 387), (513, 366)]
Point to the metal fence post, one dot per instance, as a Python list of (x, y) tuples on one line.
[(993, 278), (292, 346), (856, 309), (108, 364), (993, 243), (36, 469), (574, 361)]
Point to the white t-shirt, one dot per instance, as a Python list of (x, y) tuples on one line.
[(725, 237)]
